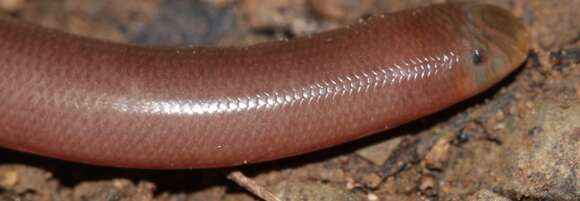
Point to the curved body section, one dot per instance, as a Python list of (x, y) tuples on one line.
[(110, 104)]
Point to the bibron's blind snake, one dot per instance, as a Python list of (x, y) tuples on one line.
[(97, 102)]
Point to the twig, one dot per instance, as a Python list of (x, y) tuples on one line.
[(252, 186)]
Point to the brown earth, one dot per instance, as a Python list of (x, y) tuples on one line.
[(518, 141)]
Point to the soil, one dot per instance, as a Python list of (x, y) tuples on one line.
[(517, 141)]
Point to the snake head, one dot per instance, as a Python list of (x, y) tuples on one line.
[(498, 43)]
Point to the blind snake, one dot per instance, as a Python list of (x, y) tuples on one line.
[(104, 103)]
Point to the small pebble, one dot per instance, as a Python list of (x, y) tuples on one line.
[(486, 195), (438, 155), (372, 197), (427, 183), (8, 178), (372, 180)]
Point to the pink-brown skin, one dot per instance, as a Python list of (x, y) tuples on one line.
[(102, 103)]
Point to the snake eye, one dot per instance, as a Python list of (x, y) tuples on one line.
[(478, 56)]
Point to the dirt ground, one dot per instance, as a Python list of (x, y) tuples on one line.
[(517, 141)]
